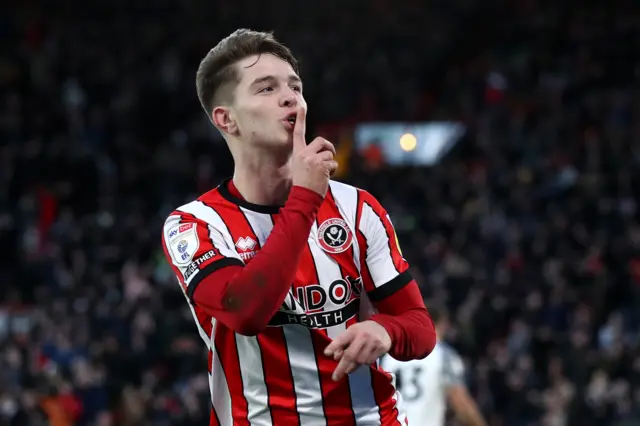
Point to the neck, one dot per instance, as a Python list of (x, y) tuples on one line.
[(262, 178)]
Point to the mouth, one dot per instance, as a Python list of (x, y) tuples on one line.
[(290, 120)]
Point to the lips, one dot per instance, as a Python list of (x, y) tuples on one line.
[(290, 120)]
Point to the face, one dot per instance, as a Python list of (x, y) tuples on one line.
[(267, 97)]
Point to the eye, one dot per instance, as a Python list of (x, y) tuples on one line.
[(266, 89), (297, 88)]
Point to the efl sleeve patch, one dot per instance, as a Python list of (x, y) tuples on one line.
[(183, 243)]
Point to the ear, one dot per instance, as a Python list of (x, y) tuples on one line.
[(222, 117)]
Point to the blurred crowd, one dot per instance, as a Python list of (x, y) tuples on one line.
[(528, 231)]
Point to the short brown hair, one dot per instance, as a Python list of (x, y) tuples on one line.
[(217, 77)]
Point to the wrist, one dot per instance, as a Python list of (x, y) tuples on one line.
[(305, 196), (388, 327)]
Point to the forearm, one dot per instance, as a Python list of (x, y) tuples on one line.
[(246, 298), (465, 407), (471, 417), (408, 323)]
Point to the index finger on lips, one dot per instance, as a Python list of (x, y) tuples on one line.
[(300, 128)]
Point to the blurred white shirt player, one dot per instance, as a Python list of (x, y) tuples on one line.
[(428, 384)]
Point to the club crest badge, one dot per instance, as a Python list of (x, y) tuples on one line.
[(334, 236)]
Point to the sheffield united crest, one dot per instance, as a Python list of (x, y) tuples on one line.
[(334, 236)]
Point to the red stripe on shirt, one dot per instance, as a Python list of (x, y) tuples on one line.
[(279, 377), (376, 207), (276, 365), (384, 392), (225, 343), (213, 418), (337, 395), (273, 357), (367, 280), (381, 383), (346, 260)]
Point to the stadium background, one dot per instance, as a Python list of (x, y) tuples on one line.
[(527, 229)]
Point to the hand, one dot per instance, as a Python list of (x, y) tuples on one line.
[(361, 344), (312, 165)]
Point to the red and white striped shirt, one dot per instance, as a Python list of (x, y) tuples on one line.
[(280, 376)]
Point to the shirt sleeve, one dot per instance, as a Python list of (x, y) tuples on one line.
[(385, 270), (195, 249), (243, 298)]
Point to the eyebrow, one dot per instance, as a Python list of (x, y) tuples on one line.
[(271, 78)]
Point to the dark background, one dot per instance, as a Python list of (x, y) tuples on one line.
[(528, 231)]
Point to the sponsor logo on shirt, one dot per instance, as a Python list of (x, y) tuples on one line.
[(180, 229), (318, 319), (185, 227), (246, 247), (307, 305)]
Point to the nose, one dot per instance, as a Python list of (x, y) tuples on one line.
[(289, 100)]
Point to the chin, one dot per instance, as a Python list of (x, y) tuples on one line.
[(283, 145), (284, 141)]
